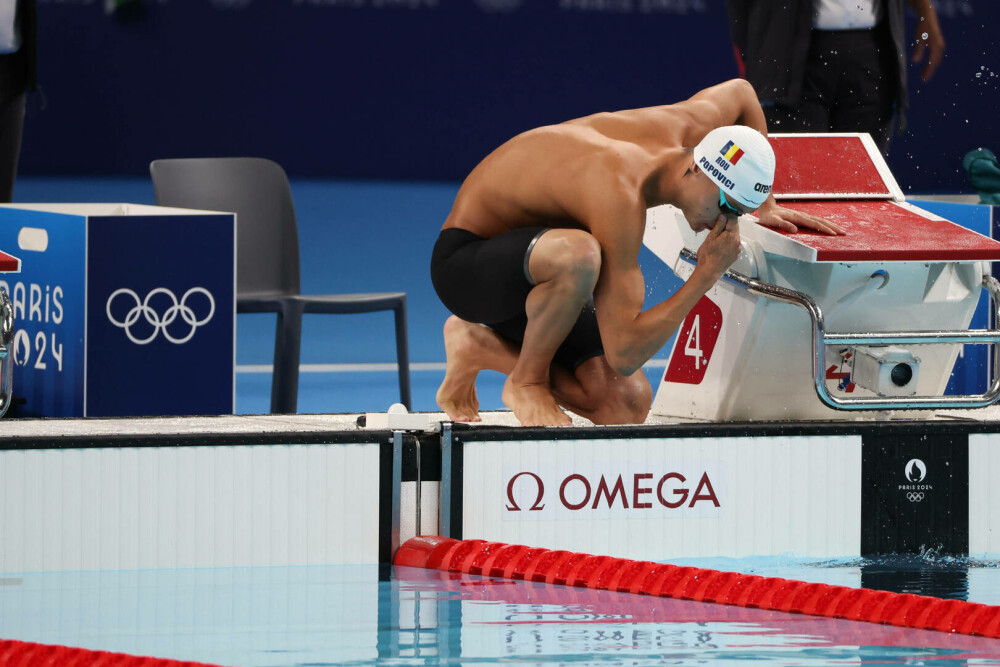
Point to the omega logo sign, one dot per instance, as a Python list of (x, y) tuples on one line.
[(592, 493)]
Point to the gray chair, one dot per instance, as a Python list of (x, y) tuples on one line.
[(267, 257)]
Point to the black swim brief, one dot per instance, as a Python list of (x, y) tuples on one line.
[(487, 281)]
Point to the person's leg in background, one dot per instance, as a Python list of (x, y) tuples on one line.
[(819, 85), (807, 116), (11, 124), (866, 97), (849, 86)]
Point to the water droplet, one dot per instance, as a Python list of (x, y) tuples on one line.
[(924, 36)]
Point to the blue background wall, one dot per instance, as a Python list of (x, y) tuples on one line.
[(420, 89)]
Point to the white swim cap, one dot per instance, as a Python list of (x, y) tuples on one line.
[(740, 160)]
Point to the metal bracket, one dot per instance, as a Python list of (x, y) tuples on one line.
[(820, 339), (6, 352)]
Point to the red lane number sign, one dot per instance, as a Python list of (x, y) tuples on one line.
[(695, 343)]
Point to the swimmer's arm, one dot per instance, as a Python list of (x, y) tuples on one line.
[(732, 102), (630, 335)]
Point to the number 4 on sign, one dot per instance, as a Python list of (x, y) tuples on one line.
[(695, 343), (692, 347)]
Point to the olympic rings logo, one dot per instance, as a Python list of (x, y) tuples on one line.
[(143, 309), (915, 496)]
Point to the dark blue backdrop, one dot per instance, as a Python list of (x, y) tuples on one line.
[(420, 89)]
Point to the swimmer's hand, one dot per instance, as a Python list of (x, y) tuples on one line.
[(787, 220), (720, 248)]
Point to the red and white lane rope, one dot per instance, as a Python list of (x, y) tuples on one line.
[(495, 559)]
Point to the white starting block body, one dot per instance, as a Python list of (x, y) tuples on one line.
[(742, 356)]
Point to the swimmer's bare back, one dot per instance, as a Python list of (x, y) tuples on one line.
[(557, 175)]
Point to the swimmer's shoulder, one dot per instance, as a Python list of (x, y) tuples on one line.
[(543, 149), (652, 128)]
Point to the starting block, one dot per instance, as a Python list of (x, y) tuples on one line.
[(810, 326)]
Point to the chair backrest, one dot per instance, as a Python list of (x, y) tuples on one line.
[(257, 190)]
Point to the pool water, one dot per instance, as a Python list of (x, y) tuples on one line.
[(949, 577), (366, 615)]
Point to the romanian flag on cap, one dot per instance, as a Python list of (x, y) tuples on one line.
[(732, 152)]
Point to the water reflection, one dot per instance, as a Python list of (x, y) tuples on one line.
[(349, 615), (469, 619), (912, 574)]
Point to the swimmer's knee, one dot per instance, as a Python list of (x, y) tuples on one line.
[(453, 325), (569, 253), (584, 253), (624, 400)]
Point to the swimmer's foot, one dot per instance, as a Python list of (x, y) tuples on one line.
[(460, 408), (533, 404), (463, 345)]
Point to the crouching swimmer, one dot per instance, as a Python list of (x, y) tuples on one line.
[(542, 247)]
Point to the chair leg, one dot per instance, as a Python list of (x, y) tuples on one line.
[(403, 354), (287, 346)]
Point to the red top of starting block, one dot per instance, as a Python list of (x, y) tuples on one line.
[(888, 231), (845, 179), (9, 263)]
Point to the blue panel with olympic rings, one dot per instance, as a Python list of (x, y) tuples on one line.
[(121, 310), (161, 315)]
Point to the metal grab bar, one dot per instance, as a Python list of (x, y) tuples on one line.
[(6, 352), (821, 339)]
